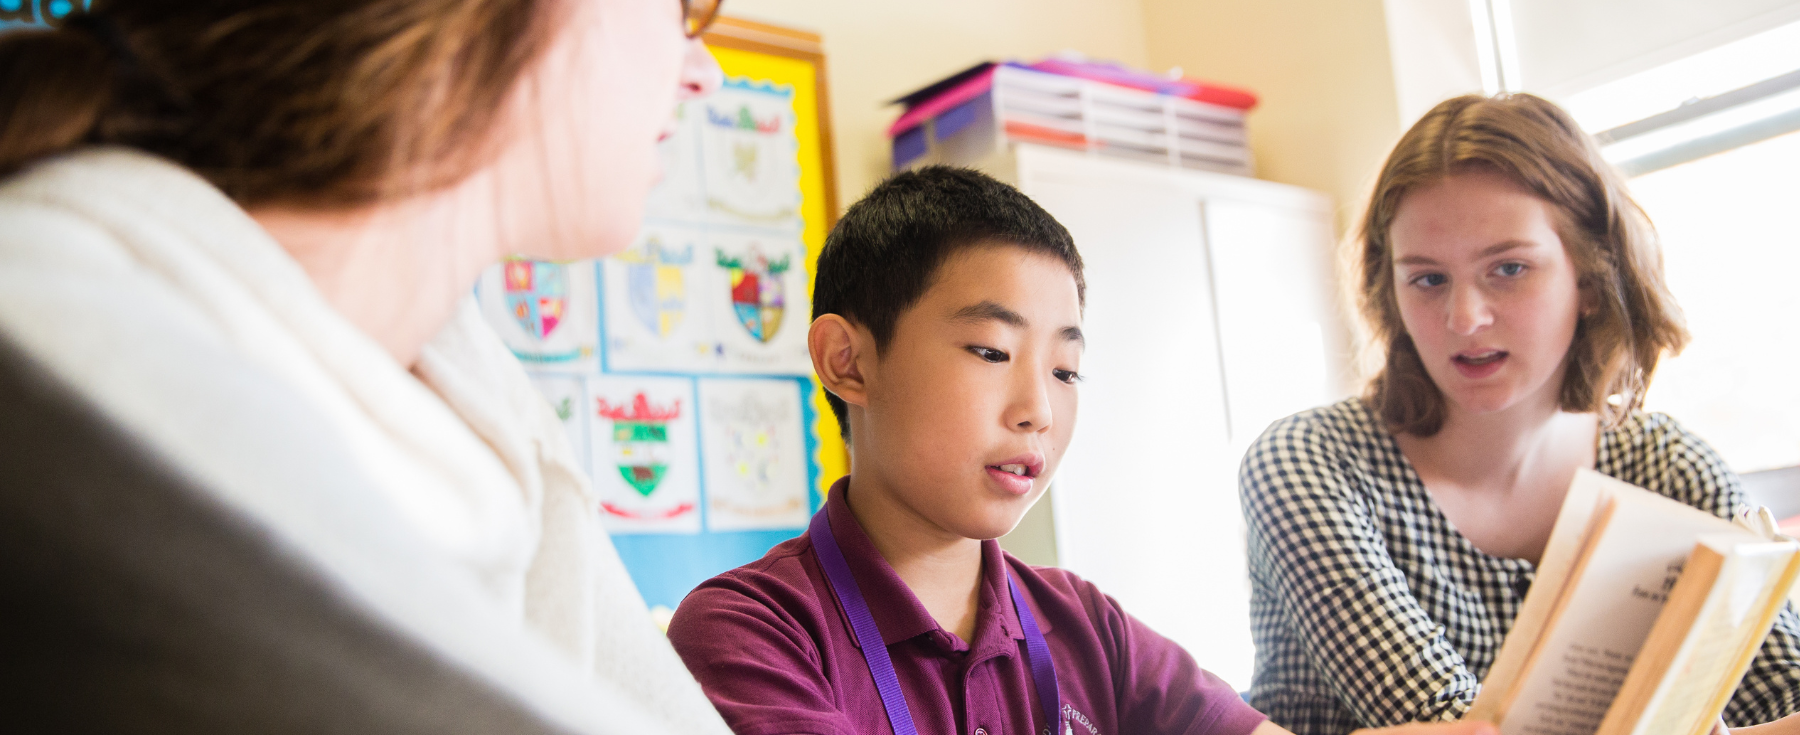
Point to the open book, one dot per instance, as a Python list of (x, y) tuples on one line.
[(1644, 615)]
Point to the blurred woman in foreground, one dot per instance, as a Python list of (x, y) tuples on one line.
[(246, 232)]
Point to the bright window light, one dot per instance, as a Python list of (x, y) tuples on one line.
[(1731, 246), (1716, 71), (1730, 118)]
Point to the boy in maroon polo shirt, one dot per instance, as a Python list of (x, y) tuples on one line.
[(947, 330)]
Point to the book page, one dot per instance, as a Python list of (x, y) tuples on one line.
[(1724, 638), (1579, 519), (1583, 659)]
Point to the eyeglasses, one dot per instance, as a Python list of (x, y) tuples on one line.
[(698, 15)]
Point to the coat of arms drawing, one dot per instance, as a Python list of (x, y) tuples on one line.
[(758, 298), (656, 282), (641, 454), (537, 295)]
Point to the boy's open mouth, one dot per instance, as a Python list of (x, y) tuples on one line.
[(1024, 465), (1015, 475)]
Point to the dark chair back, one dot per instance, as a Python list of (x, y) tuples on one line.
[(132, 602)]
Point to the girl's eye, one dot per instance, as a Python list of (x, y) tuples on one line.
[(1067, 376), (989, 354), (1510, 269), (1430, 280)]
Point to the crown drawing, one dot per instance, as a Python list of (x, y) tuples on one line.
[(639, 410), (756, 260)]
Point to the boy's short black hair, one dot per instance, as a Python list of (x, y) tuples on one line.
[(880, 258)]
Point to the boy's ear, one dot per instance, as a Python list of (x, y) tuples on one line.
[(836, 346)]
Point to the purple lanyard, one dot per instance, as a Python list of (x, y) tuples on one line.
[(862, 622)]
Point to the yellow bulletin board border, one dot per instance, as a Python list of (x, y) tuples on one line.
[(780, 55)]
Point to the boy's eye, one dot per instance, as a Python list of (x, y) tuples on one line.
[(1429, 280), (1510, 269), (1067, 376), (989, 354)]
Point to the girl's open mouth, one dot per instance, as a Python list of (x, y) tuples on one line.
[(1480, 364)]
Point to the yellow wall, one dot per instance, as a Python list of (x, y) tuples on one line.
[(1321, 67), (876, 50)]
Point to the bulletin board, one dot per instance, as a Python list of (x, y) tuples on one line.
[(679, 366)]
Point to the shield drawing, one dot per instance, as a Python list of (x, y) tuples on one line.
[(750, 160), (537, 295), (753, 451), (755, 454), (656, 286), (640, 439), (757, 294)]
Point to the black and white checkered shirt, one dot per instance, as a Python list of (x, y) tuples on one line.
[(1369, 609)]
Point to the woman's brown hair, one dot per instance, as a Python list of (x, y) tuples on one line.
[(1629, 318), (319, 103)]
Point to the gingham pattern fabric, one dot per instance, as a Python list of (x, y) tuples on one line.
[(1369, 609)]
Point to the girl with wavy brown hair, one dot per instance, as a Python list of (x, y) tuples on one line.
[(245, 232), (1517, 295)]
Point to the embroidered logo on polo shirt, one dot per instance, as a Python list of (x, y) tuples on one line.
[(1074, 717)]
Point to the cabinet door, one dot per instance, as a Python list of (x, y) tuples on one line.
[(1145, 503), (1278, 324)]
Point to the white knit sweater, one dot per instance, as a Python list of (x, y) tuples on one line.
[(460, 516)]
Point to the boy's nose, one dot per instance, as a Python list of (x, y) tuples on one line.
[(1030, 409)]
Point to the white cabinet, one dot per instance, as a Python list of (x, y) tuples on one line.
[(1210, 313)]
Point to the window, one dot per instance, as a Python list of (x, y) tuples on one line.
[(1711, 144), (1731, 244)]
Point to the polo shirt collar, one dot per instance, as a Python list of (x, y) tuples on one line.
[(898, 613)]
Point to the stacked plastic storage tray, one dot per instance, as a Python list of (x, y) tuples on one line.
[(976, 117)]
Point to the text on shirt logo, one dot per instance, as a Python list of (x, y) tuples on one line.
[(1075, 717)]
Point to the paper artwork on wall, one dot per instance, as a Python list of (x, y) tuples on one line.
[(754, 454), (759, 307), (749, 153), (684, 300), (654, 314), (567, 395), (546, 313), (645, 465), (682, 191)]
